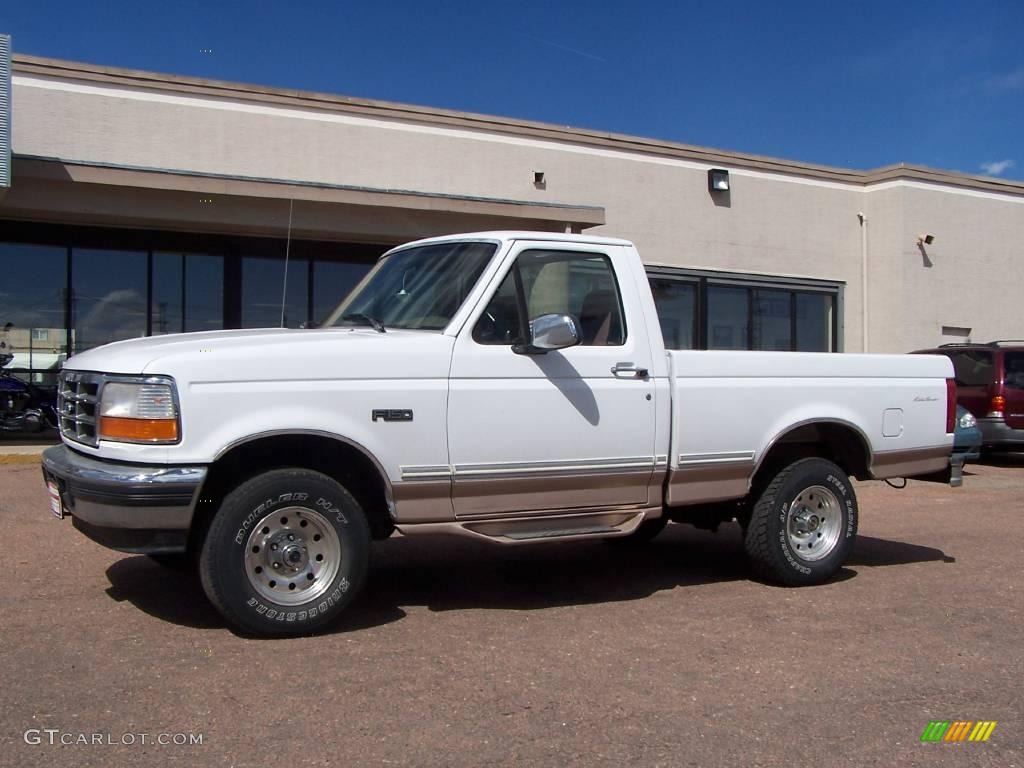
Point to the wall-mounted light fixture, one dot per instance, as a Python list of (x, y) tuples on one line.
[(925, 239), (718, 180)]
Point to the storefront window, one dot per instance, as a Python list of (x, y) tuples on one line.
[(703, 310), (772, 320), (263, 280), (814, 322), (108, 296), (676, 302), (127, 284), (32, 300), (188, 293), (728, 310)]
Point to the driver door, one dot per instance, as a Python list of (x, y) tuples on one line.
[(560, 430)]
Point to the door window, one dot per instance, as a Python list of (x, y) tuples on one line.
[(545, 282)]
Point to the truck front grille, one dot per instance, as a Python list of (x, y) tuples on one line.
[(77, 406)]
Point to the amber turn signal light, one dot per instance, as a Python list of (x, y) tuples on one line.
[(138, 430)]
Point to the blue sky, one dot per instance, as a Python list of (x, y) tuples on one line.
[(853, 84)]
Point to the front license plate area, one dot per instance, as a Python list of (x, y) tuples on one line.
[(56, 505)]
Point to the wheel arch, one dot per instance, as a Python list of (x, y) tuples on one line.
[(839, 441), (341, 459)]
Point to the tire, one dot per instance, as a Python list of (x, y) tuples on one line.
[(286, 553), (803, 526), (644, 533)]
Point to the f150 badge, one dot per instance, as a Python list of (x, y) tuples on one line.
[(391, 414)]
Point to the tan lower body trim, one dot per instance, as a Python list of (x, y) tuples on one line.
[(422, 500), (475, 497), (917, 461), (715, 481)]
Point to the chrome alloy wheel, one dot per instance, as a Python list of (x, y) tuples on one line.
[(814, 523), (292, 556)]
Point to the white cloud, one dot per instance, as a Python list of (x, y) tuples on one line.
[(997, 167), (1008, 81)]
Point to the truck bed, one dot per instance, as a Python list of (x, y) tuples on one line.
[(729, 408)]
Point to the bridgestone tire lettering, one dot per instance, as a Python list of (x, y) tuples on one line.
[(222, 566)]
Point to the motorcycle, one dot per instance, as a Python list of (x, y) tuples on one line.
[(25, 407)]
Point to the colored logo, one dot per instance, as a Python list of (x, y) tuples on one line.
[(958, 730)]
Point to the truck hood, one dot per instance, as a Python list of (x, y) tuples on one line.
[(275, 354)]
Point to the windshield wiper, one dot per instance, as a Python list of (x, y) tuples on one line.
[(373, 322)]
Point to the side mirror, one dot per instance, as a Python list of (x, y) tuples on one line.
[(548, 332)]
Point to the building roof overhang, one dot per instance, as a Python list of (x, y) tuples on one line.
[(73, 192)]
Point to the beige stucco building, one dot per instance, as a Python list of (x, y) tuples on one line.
[(147, 203)]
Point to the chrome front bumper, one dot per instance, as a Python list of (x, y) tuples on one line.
[(142, 508)]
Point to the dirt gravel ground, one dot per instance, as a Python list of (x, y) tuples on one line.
[(464, 654)]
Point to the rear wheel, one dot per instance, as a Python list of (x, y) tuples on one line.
[(286, 553), (803, 526)]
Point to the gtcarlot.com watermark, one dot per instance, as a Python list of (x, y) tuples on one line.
[(60, 737)]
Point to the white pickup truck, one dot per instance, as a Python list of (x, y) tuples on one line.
[(508, 386)]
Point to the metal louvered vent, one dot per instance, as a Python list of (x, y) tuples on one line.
[(5, 110)]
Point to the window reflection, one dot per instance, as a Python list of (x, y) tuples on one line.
[(188, 293), (742, 317), (108, 296), (814, 322), (676, 303), (32, 300), (110, 285), (772, 321), (263, 280), (727, 317)]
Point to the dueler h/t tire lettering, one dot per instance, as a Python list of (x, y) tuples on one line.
[(286, 553)]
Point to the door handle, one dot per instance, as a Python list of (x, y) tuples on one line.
[(628, 371)]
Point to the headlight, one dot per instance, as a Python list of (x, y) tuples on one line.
[(143, 411), (967, 421)]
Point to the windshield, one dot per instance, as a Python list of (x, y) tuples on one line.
[(419, 288)]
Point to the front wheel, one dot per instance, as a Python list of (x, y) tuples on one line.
[(286, 553), (803, 526)]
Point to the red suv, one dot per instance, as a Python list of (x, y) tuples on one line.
[(990, 384)]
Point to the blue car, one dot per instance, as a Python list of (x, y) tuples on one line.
[(967, 437)]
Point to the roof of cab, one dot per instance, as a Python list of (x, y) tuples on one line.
[(504, 236)]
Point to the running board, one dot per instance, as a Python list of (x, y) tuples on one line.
[(561, 534), (534, 528)]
